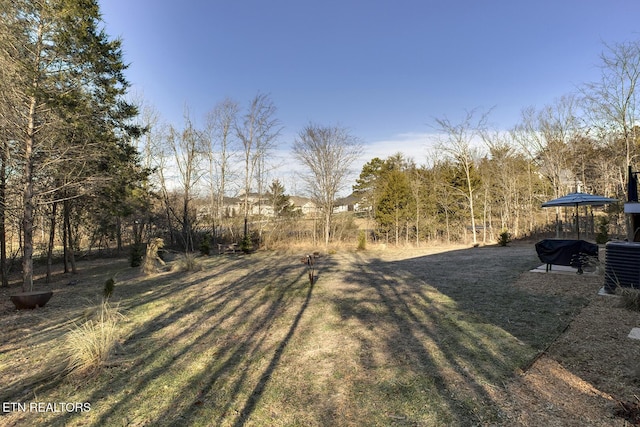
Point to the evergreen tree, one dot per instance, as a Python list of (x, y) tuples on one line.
[(280, 202), (396, 199), (66, 80)]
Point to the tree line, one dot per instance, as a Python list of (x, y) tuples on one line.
[(83, 166)]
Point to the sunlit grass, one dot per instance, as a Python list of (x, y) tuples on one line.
[(248, 341)]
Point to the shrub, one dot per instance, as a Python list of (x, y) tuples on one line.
[(362, 240), (246, 245), (504, 238), (602, 236), (205, 246), (136, 254), (109, 287), (89, 346)]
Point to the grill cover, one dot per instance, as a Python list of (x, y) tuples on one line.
[(565, 252)]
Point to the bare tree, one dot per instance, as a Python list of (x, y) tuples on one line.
[(457, 142), (220, 126), (613, 103), (187, 147), (258, 131), (158, 156), (149, 146), (547, 137), (326, 153)]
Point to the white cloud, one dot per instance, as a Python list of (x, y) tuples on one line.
[(411, 144)]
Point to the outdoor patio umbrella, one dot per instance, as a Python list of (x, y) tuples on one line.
[(579, 199)]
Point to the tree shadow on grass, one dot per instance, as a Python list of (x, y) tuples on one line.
[(27, 332), (449, 326), (435, 338), (215, 338)]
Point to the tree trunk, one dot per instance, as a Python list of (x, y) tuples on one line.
[(327, 227), (3, 231), (417, 225), (446, 216), (27, 201), (406, 233), (397, 227), (69, 243), (169, 223), (52, 236), (65, 239), (186, 226), (471, 211), (484, 217), (119, 234)]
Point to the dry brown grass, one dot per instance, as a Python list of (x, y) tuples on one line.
[(185, 263), (382, 337), (629, 298)]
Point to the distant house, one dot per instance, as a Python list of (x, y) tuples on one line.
[(346, 204), (258, 204), (234, 206), (303, 204)]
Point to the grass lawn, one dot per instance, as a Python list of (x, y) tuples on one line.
[(397, 337)]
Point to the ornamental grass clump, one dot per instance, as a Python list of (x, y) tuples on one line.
[(362, 241), (89, 346), (629, 298), (187, 262)]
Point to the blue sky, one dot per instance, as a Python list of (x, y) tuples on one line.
[(383, 69)]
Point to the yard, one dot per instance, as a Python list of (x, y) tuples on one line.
[(431, 337)]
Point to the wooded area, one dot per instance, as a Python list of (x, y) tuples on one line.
[(82, 167)]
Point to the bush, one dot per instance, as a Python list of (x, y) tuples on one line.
[(109, 287), (362, 240), (89, 346), (603, 230), (205, 246), (504, 238), (246, 245), (136, 254)]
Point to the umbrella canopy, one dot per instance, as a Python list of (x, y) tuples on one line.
[(579, 199)]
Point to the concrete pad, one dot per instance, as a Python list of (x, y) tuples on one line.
[(555, 269), (604, 293), (634, 334)]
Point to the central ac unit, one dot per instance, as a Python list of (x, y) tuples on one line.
[(622, 265)]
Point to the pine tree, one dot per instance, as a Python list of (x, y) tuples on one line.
[(66, 85)]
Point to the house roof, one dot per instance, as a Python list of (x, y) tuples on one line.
[(349, 200)]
